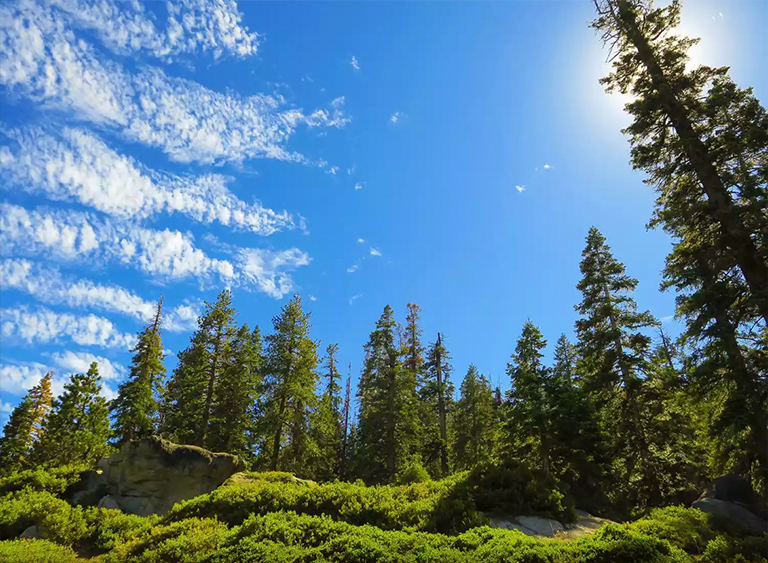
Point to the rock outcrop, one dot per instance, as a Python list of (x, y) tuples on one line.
[(733, 500), (538, 526), (151, 475)]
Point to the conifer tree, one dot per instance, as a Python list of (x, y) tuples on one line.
[(135, 409), (25, 426), (528, 423), (77, 428), (328, 425), (474, 422), (232, 423), (190, 394), (290, 379), (436, 395), (701, 139), (385, 425), (579, 453), (614, 353)]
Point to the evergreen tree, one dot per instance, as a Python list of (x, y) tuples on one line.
[(436, 395), (474, 422), (385, 393), (579, 454), (190, 395), (232, 424), (614, 363), (135, 409), (700, 138), (290, 378), (704, 143), (25, 426), (328, 425), (528, 409), (77, 428)]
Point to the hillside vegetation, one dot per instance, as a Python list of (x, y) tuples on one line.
[(273, 517)]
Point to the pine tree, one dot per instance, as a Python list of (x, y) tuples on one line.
[(578, 452), (25, 426), (436, 395), (328, 425), (474, 422), (529, 432), (614, 353), (77, 428), (701, 139), (135, 409), (190, 394), (290, 379), (385, 393), (232, 424)]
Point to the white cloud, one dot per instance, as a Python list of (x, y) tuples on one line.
[(192, 26), (75, 235), (355, 298), (47, 285), (79, 362), (42, 325), (333, 170), (353, 268), (520, 188), (269, 271), (395, 117), (18, 378), (358, 186), (354, 63), (166, 254), (312, 298), (375, 252), (361, 240), (6, 408), (43, 59), (547, 166), (78, 166)]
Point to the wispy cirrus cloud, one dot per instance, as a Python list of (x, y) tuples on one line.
[(77, 166), (17, 378), (163, 254), (43, 60), (375, 252), (49, 286), (41, 325), (354, 63), (190, 27)]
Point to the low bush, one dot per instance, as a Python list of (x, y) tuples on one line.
[(514, 488), (36, 551), (54, 480), (437, 506), (55, 519)]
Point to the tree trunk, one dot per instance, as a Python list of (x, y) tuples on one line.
[(441, 407)]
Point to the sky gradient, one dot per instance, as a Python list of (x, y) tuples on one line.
[(448, 154)]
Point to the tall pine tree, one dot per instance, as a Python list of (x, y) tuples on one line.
[(328, 424), (385, 392), (290, 379), (474, 422), (437, 398), (190, 394), (25, 426), (77, 428), (135, 409)]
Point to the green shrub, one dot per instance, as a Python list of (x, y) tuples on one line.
[(36, 551), (109, 528), (514, 488), (55, 519), (54, 480), (438, 506), (412, 471), (727, 549), (686, 528)]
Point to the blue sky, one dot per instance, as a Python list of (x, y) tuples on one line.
[(448, 154)]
